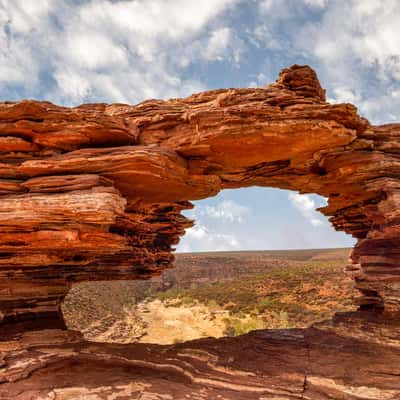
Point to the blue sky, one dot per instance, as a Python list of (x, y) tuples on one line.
[(71, 52)]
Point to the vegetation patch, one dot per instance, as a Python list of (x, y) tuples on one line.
[(294, 296), (215, 294)]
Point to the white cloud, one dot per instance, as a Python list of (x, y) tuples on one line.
[(217, 44), (306, 205), (72, 84), (267, 228), (200, 238), (356, 46), (263, 36), (260, 80), (114, 51), (316, 3), (213, 230), (93, 50), (345, 95), (24, 15), (168, 19), (226, 210), (364, 31), (352, 44), (277, 10)]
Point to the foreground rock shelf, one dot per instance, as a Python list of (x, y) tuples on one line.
[(96, 192), (313, 364)]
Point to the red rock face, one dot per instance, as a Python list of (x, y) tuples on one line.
[(352, 358), (96, 192)]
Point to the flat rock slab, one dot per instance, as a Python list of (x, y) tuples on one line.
[(314, 364)]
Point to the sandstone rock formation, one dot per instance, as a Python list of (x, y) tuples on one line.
[(96, 192), (310, 364)]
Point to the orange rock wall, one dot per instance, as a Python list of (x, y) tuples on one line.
[(96, 192)]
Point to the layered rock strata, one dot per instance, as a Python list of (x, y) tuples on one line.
[(96, 192), (311, 364)]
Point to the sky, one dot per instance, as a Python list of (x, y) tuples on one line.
[(77, 51)]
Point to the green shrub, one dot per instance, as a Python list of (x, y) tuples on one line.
[(236, 326), (212, 304)]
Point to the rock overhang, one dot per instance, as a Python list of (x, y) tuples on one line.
[(96, 192)]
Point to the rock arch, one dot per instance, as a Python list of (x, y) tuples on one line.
[(96, 192)]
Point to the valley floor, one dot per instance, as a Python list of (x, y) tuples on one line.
[(214, 295)]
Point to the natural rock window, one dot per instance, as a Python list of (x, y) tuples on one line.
[(218, 293), (96, 192)]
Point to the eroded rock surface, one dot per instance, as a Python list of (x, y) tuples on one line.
[(309, 364), (96, 192)]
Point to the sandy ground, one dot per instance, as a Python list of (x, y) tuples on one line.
[(166, 323)]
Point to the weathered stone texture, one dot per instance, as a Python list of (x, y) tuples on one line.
[(96, 192), (321, 363)]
